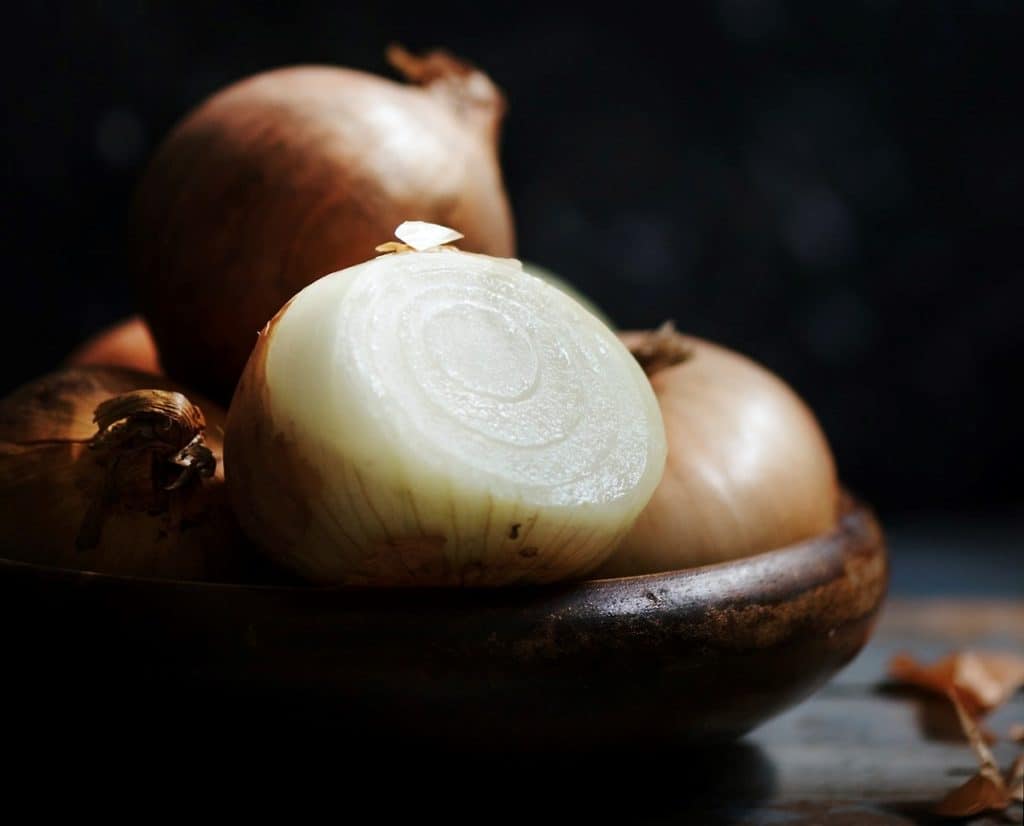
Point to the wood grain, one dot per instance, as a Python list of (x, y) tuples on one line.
[(862, 745)]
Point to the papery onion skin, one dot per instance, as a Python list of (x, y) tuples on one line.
[(127, 343), (370, 442), (748, 468), (53, 479), (291, 174)]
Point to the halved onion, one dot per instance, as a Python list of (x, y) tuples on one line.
[(440, 417)]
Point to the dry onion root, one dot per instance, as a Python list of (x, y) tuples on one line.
[(289, 175), (748, 467), (112, 470), (440, 417)]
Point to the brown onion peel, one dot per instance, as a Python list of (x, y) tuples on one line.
[(126, 343), (161, 422), (987, 790), (748, 468), (150, 413), (162, 425), (1015, 779), (464, 88), (982, 680), (294, 173), (118, 471)]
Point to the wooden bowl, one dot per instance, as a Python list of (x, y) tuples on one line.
[(701, 654)]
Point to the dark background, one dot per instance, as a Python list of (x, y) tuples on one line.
[(835, 189)]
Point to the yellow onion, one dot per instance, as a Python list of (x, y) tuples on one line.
[(291, 174), (113, 470), (436, 417), (748, 466), (127, 343)]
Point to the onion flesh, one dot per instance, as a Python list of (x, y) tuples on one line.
[(544, 274), (748, 467), (440, 418)]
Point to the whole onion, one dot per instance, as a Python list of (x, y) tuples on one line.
[(113, 470), (748, 466), (298, 172), (127, 343), (440, 417)]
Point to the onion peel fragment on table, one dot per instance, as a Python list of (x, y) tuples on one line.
[(983, 680), (984, 792), (1015, 779), (1016, 732), (988, 790), (975, 683)]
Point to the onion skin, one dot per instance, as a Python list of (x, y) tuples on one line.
[(748, 467), (127, 343), (440, 418), (291, 174), (52, 483)]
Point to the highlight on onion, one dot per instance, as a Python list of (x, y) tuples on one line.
[(113, 470), (748, 467), (294, 173), (128, 343), (434, 417)]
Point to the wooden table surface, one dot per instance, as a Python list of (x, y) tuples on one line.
[(857, 753), (861, 751)]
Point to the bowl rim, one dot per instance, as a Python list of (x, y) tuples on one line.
[(850, 510)]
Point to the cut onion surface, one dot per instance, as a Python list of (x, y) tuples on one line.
[(440, 417)]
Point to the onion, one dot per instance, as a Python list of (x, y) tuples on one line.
[(113, 470), (298, 172), (748, 467), (544, 274), (440, 417), (127, 343)]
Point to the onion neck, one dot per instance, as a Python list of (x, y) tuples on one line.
[(659, 349), (150, 445), (469, 93)]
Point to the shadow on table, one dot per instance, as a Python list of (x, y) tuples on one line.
[(421, 782), (936, 716), (700, 785), (708, 786)]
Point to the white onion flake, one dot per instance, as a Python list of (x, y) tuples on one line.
[(428, 418), (421, 235)]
